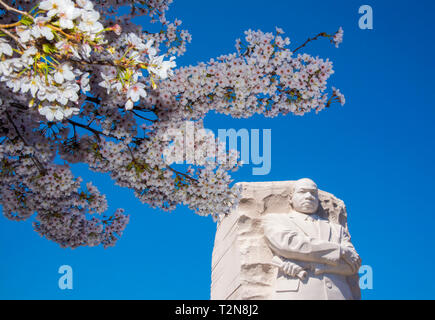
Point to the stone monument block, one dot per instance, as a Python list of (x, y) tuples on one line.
[(245, 265)]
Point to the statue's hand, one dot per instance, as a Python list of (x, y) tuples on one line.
[(351, 258), (289, 269), (294, 270)]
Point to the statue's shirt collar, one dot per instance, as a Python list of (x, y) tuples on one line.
[(304, 217), (312, 225)]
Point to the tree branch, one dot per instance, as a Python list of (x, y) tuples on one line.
[(96, 132), (12, 36), (182, 174), (9, 8), (322, 34), (35, 160), (142, 116), (10, 25)]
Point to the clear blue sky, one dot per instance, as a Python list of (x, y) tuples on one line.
[(376, 153)]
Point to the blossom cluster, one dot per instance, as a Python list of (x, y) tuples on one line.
[(53, 46), (125, 77), (264, 77), (59, 30), (80, 82), (338, 37), (56, 196)]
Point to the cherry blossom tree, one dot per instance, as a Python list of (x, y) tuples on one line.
[(80, 83)]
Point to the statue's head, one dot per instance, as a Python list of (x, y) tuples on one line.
[(305, 197)]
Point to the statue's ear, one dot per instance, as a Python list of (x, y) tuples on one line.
[(289, 198)]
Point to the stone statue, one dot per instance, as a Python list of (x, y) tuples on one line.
[(314, 255), (285, 240)]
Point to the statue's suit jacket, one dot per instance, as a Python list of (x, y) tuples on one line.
[(309, 241)]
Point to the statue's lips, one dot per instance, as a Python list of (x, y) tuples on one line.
[(307, 203)]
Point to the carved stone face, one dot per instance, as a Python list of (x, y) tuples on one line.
[(305, 197)]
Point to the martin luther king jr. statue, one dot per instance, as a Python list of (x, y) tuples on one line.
[(314, 255)]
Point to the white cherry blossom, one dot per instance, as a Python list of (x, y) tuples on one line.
[(129, 104), (68, 111), (90, 22), (28, 56), (41, 30), (53, 6), (5, 69), (14, 84), (136, 91), (106, 83), (63, 72), (85, 4), (5, 48), (52, 112), (84, 82), (33, 84), (67, 14), (150, 49), (161, 68), (136, 42), (25, 33), (338, 37)]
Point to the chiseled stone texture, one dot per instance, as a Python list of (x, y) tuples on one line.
[(241, 260)]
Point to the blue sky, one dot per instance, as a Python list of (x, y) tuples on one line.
[(376, 153)]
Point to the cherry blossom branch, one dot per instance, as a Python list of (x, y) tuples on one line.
[(131, 153), (182, 174), (70, 37), (12, 36), (35, 160), (144, 109), (142, 117), (94, 131), (322, 34), (10, 25), (9, 8), (94, 100), (67, 62)]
